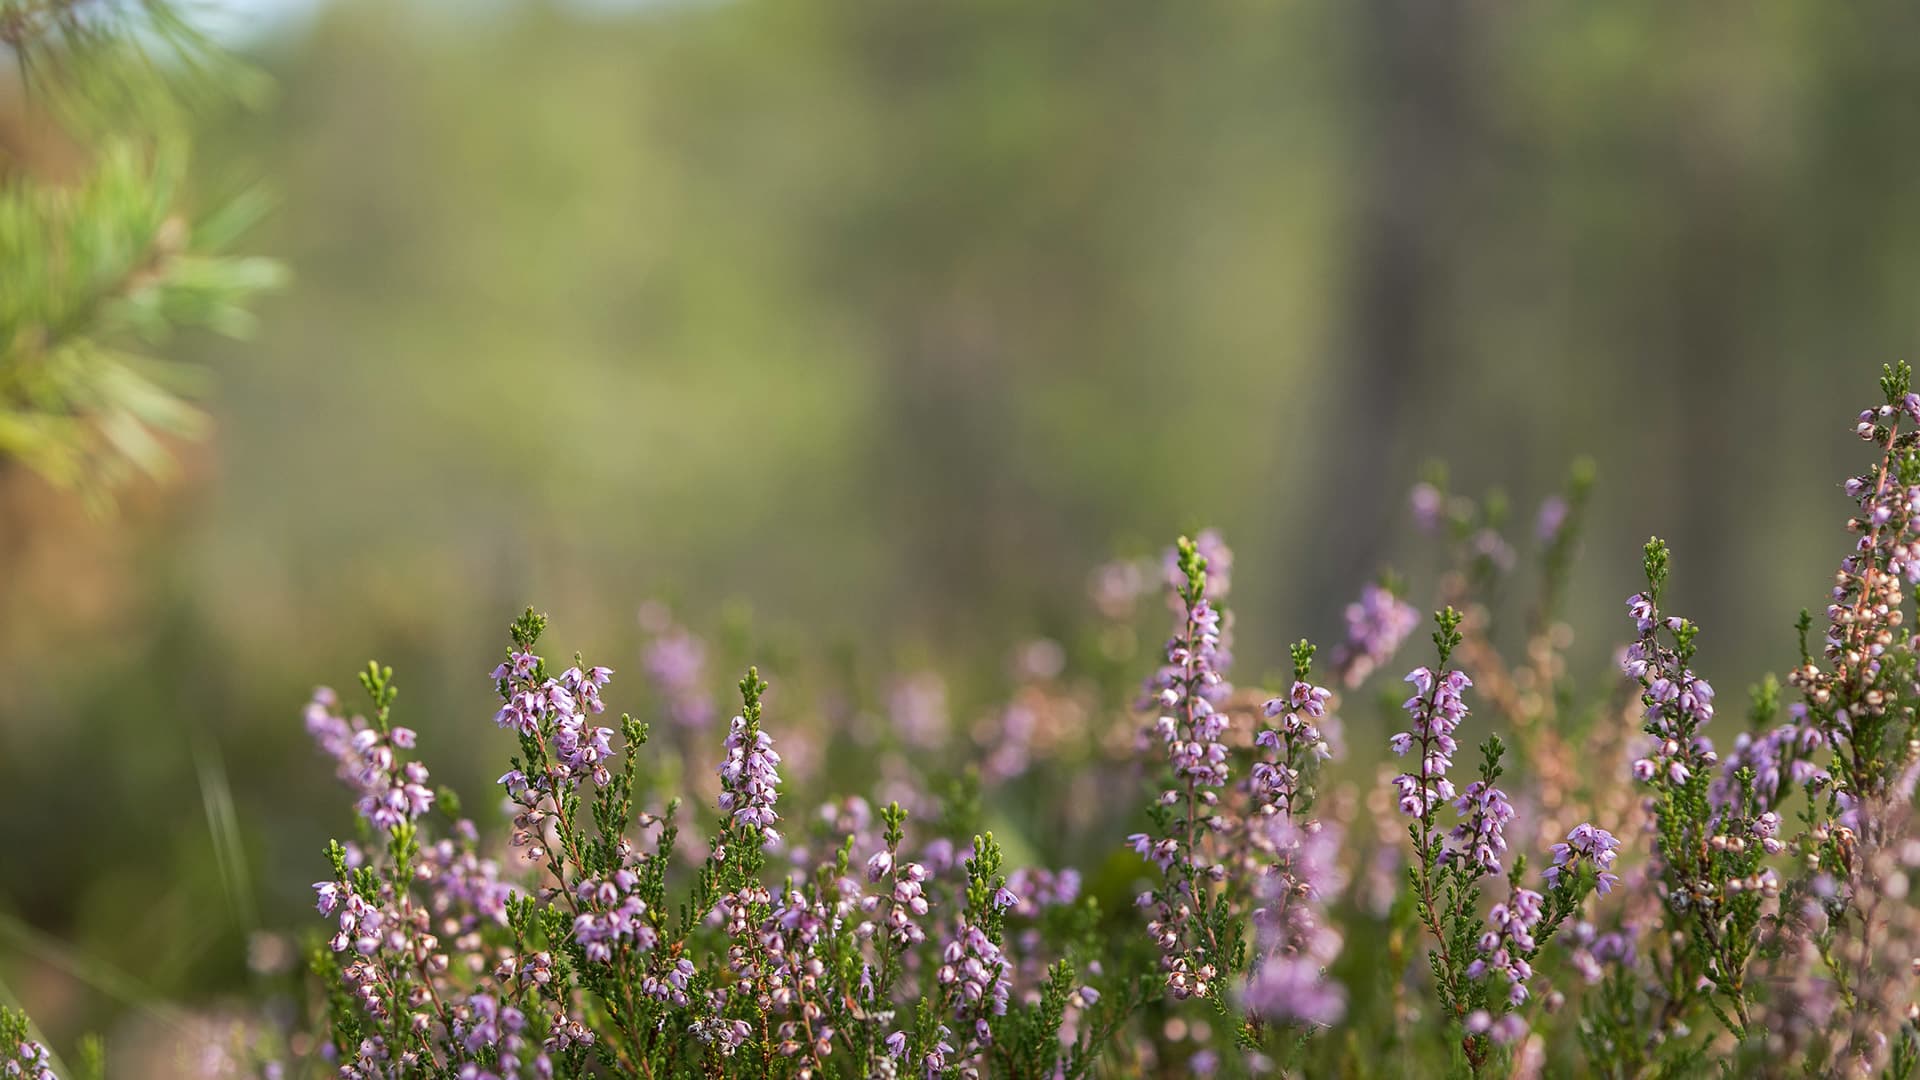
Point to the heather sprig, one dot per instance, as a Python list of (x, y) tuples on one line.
[(21, 1056), (1296, 860), (1482, 969), (1708, 862), (1444, 879), (1858, 718), (1196, 927)]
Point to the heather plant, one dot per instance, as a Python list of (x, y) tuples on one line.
[(1598, 889), (21, 1056)]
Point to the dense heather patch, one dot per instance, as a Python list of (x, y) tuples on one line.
[(1596, 889)]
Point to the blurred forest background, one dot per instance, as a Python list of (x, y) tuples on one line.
[(876, 327)]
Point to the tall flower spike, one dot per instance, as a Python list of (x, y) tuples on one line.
[(1677, 704), (750, 775), (1190, 691), (1853, 702), (1480, 837), (1297, 741), (1436, 708)]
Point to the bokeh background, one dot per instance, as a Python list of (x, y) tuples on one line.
[(870, 330)]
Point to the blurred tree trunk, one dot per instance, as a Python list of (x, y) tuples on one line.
[(1418, 128)]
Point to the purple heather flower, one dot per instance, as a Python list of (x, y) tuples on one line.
[(1509, 1029), (909, 902), (672, 987), (1780, 759), (1591, 952), (1190, 692), (1039, 888), (728, 1035), (750, 779), (389, 791), (28, 1060), (1766, 829), (1480, 838), (1491, 546), (1677, 702), (1509, 934), (1588, 842), (612, 914), (675, 661), (1290, 988), (519, 667), (1190, 724), (584, 750), (1377, 624), (974, 965), (1868, 606), (1437, 708), (1429, 506), (1294, 943), (1297, 740), (585, 684), (1551, 519), (917, 707), (934, 1064)]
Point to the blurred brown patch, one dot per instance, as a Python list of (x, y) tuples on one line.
[(67, 569)]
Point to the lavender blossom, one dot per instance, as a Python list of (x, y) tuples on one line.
[(612, 914), (1192, 724), (1297, 743), (1189, 691), (1677, 703), (1377, 624), (390, 790), (675, 661), (917, 707), (1429, 507), (750, 779), (974, 968), (1592, 845), (22, 1057), (1294, 942), (1551, 519), (1593, 953), (1288, 988), (1508, 939), (1437, 707), (1480, 837)]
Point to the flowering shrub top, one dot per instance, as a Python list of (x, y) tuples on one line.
[(1533, 885)]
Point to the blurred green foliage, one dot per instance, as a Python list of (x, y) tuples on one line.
[(896, 319), (99, 259)]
